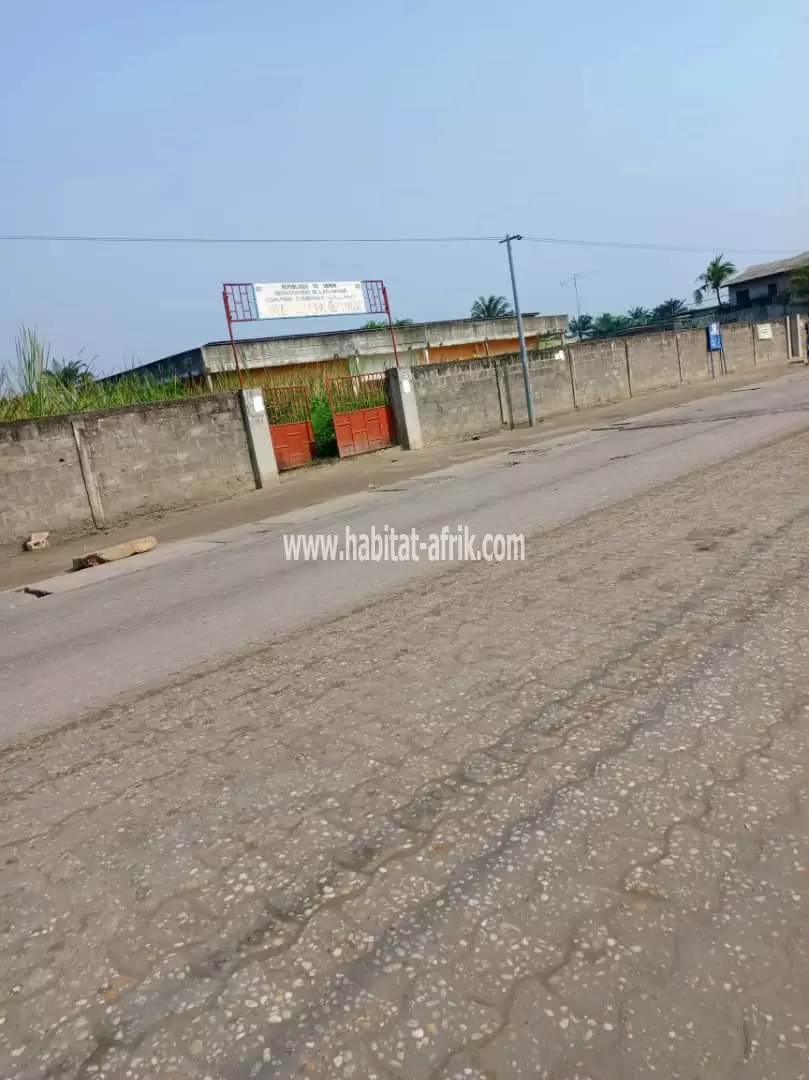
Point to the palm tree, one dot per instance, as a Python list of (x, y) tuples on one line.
[(669, 309), (72, 374), (491, 307), (581, 327), (607, 324), (799, 281), (713, 278), (639, 316)]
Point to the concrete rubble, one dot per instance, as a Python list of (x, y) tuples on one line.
[(115, 553), (36, 541)]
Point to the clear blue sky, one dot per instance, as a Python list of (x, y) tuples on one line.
[(632, 120)]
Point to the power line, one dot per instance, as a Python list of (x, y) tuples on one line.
[(79, 239), (631, 246), (566, 241)]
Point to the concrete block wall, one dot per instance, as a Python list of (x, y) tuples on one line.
[(457, 399), (463, 398), (551, 385), (654, 362), (695, 360), (169, 454), (134, 461), (40, 479), (737, 339), (476, 397), (775, 350), (600, 372)]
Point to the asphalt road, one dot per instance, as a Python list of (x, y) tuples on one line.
[(62, 655), (506, 821)]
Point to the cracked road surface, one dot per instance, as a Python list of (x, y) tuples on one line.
[(546, 819)]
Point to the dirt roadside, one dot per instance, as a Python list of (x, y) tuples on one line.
[(307, 487)]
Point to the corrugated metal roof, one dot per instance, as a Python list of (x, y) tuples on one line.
[(762, 270)]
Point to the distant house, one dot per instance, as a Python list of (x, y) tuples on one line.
[(765, 284)]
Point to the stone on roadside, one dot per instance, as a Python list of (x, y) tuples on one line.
[(116, 552), (36, 541)]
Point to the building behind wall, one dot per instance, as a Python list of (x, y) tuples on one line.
[(765, 285), (291, 358)]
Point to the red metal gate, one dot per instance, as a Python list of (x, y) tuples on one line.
[(290, 417), (363, 418)]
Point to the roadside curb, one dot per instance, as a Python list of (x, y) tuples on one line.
[(73, 580)]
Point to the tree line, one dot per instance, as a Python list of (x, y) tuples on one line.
[(718, 271), (497, 307), (712, 280), (606, 324)]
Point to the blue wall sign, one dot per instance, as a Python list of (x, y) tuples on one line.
[(714, 337)]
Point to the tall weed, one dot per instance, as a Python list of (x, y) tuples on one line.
[(36, 387)]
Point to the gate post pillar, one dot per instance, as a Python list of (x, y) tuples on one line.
[(257, 430), (402, 395)]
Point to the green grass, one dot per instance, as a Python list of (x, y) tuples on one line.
[(38, 386), (323, 426), (50, 397)]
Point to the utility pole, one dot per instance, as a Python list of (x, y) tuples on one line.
[(578, 300), (529, 400), (575, 282)]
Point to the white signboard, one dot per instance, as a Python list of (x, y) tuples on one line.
[(303, 299), (765, 331)]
